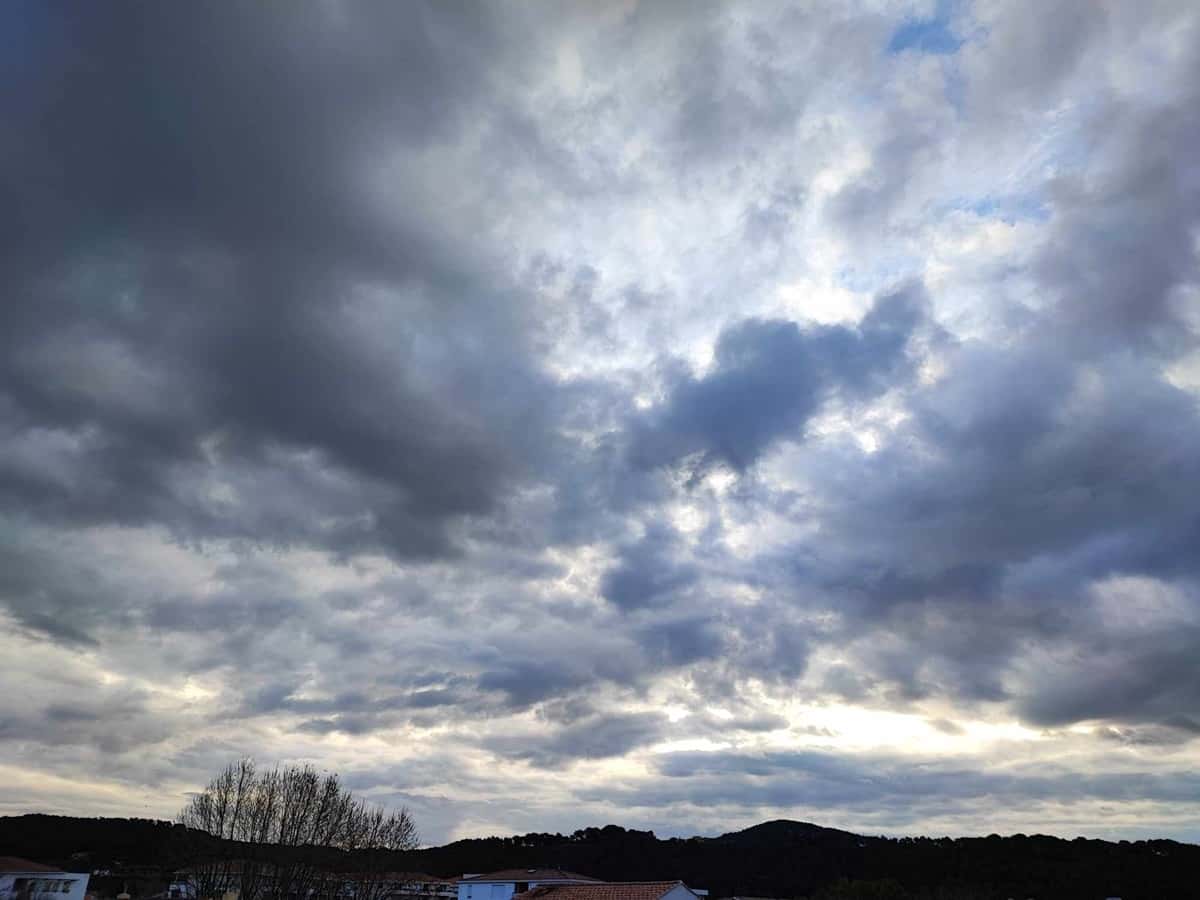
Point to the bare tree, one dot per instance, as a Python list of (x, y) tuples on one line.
[(221, 810), (376, 835), (293, 833)]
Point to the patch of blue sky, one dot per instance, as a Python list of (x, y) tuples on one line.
[(888, 269), (935, 35), (1006, 207)]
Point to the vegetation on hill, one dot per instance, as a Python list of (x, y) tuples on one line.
[(775, 859)]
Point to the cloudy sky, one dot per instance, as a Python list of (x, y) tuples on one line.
[(664, 413)]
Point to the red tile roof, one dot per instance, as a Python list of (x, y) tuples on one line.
[(16, 864), (614, 890), (529, 875)]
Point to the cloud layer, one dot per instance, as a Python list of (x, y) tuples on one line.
[(684, 414)]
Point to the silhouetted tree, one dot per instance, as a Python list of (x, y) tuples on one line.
[(295, 833)]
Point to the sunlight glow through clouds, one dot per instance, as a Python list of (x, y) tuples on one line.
[(640, 408)]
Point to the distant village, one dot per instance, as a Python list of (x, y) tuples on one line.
[(22, 879)]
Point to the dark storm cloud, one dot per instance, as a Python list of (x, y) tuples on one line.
[(567, 661), (676, 640), (60, 599), (1124, 243), (1038, 466), (371, 707), (829, 780), (528, 681), (239, 123), (190, 337), (596, 737), (289, 447), (1021, 479), (647, 571), (1035, 468), (103, 719), (769, 377), (1147, 678), (1169, 734)]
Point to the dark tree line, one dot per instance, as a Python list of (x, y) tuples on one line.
[(775, 859)]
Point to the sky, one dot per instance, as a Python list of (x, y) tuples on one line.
[(673, 414)]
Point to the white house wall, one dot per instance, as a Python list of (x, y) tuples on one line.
[(499, 890), (76, 885)]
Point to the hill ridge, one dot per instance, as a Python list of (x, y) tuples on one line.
[(776, 858)]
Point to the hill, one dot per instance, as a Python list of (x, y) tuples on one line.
[(781, 858)]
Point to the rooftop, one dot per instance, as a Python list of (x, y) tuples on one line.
[(16, 864), (402, 877), (614, 890), (529, 875)]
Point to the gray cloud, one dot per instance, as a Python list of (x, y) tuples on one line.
[(769, 378), (516, 390), (219, 327), (595, 737), (825, 780), (646, 571), (978, 531)]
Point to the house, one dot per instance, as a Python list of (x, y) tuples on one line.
[(223, 880), (503, 885), (615, 890), (420, 886), (21, 879), (214, 880), (397, 885)]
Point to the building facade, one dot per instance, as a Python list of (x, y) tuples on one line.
[(21, 879), (503, 885)]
